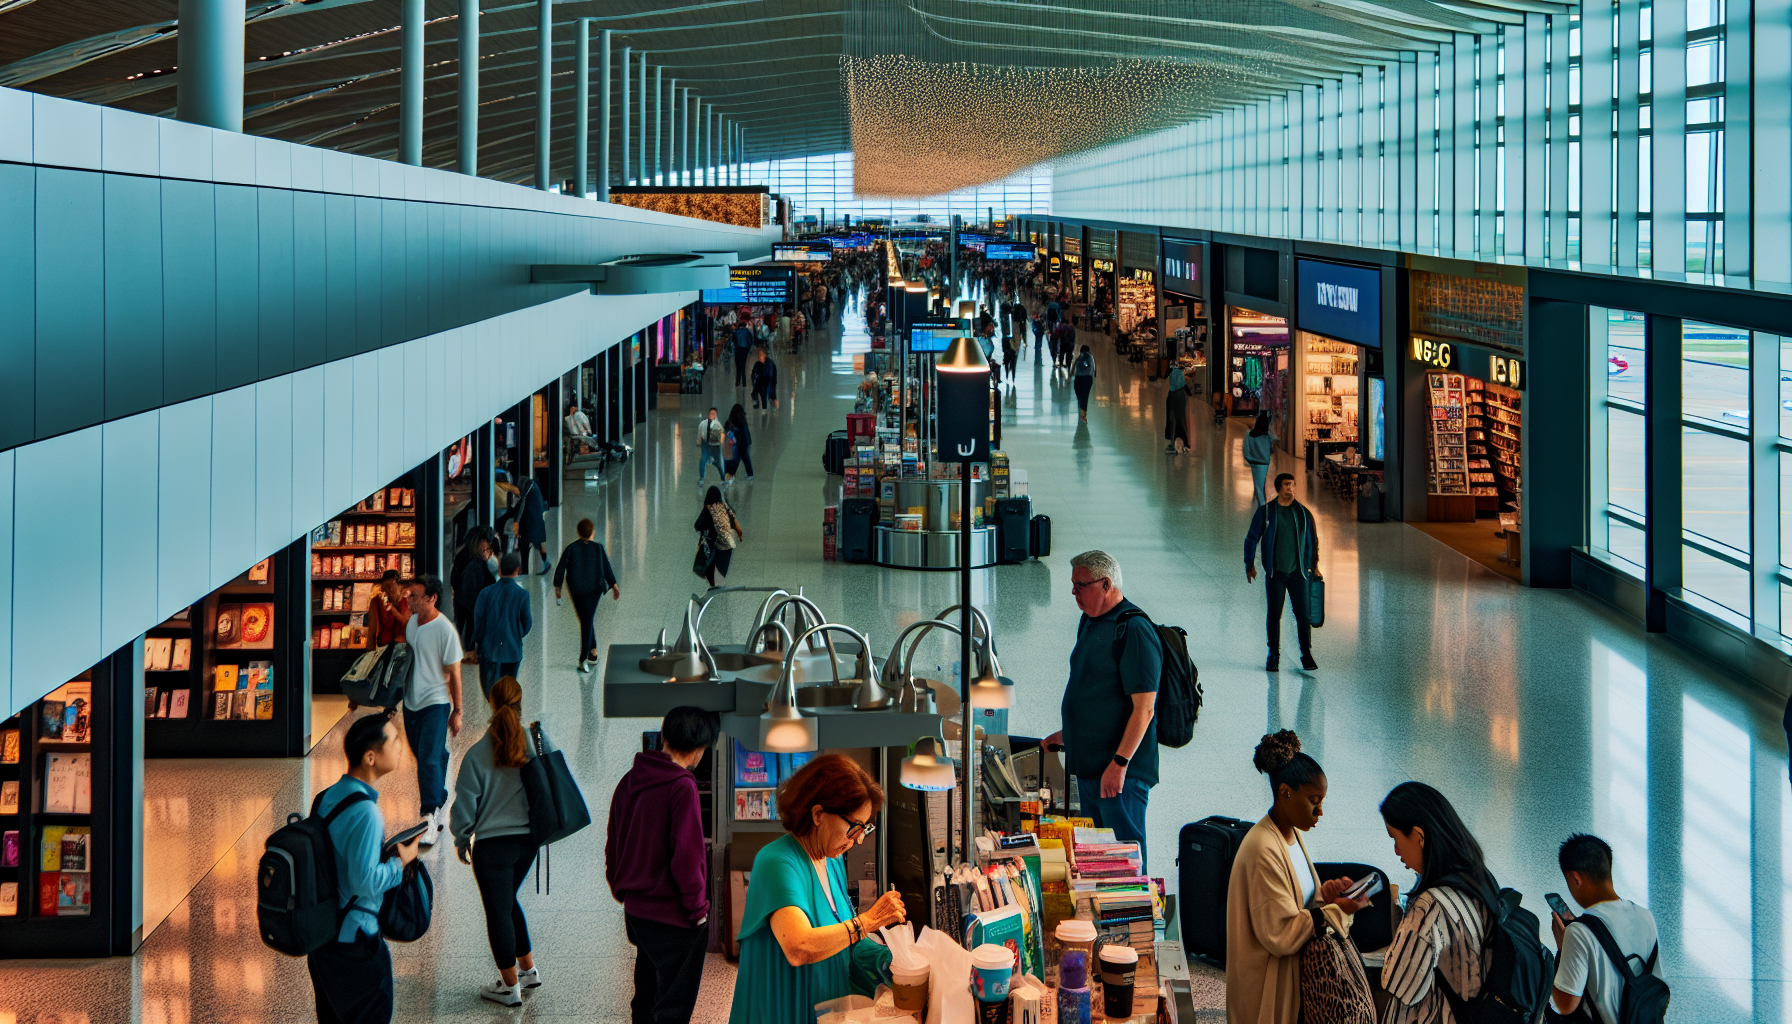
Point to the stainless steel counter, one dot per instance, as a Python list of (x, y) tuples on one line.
[(931, 549)]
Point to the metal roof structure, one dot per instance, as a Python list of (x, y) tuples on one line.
[(929, 94)]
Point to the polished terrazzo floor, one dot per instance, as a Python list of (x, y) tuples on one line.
[(1539, 713)]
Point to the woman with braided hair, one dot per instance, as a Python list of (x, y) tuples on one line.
[(1275, 903)]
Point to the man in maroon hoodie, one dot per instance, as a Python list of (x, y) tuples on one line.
[(657, 868)]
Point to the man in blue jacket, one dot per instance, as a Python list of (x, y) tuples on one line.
[(351, 978), (500, 621), (1291, 560)]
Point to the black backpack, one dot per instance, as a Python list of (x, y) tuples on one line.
[(1178, 688), (295, 886), (1516, 986), (1645, 996)]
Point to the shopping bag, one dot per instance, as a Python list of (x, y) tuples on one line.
[(556, 807), (1315, 600)]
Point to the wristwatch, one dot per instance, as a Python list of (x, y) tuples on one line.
[(1121, 760)]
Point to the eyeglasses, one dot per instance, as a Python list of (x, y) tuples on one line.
[(1077, 588), (856, 829)]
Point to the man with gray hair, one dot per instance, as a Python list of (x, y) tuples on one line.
[(1108, 737)]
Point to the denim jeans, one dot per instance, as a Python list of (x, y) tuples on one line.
[(352, 981), (427, 733), (491, 672), (710, 453), (1293, 586), (1125, 814)]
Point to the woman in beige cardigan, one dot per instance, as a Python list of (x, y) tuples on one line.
[(1274, 901)]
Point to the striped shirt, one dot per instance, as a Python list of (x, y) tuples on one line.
[(1442, 931)]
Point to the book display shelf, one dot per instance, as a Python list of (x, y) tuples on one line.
[(226, 677), (69, 810), (386, 531)]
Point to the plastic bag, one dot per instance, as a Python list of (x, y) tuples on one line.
[(949, 991)]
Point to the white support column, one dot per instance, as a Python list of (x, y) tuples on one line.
[(1350, 162), (1764, 466), (1389, 222), (1536, 122), (1277, 153), (1739, 150), (1329, 160), (1667, 143), (1487, 145), (1406, 170), (1425, 139), (1517, 137), (1462, 144), (626, 66), (1629, 162), (1596, 33), (1310, 191), (1558, 137), (1771, 166)]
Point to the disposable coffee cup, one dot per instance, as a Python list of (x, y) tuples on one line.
[(992, 968), (909, 986), (1119, 972)]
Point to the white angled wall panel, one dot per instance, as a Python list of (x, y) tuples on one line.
[(56, 575), (110, 529), (131, 456)]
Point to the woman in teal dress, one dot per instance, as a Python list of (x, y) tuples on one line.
[(800, 943)]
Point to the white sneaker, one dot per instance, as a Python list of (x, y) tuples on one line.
[(584, 667), (502, 994), (529, 979), (428, 838)]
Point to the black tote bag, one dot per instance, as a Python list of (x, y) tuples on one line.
[(1315, 600), (556, 807)]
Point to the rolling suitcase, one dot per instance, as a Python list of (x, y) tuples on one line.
[(833, 457), (1040, 529), (857, 517), (1373, 927), (1204, 853), (1014, 528)]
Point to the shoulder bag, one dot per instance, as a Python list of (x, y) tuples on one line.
[(1315, 600), (1334, 988), (556, 806)]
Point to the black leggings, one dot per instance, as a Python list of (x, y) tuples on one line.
[(500, 865), (1082, 385), (586, 606)]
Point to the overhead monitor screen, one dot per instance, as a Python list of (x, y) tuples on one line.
[(753, 286), (820, 253), (935, 336), (1008, 251)]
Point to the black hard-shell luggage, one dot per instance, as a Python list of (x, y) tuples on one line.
[(1041, 529), (1204, 854), (1014, 528), (1373, 927), (833, 457)]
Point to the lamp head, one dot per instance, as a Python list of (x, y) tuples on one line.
[(963, 355), (783, 728), (991, 689), (927, 767)]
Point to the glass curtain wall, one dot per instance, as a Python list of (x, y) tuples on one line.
[(1734, 479), (825, 182), (1615, 134), (1615, 447)]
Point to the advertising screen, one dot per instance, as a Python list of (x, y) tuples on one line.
[(1339, 301), (1377, 419), (753, 286), (1008, 251), (804, 253), (935, 336), (1182, 266)]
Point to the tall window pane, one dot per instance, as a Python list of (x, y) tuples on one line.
[(1714, 373), (1624, 355), (1716, 580), (1624, 437), (1714, 487)]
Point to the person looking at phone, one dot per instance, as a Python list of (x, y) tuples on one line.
[(490, 826), (1587, 984), (351, 978), (1275, 903)]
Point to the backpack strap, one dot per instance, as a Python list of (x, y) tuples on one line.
[(1603, 936), (1120, 629)]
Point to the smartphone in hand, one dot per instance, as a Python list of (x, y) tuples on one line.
[(1559, 906), (403, 837), (1365, 889)]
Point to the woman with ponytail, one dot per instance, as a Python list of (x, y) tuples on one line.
[(1275, 904), (490, 824)]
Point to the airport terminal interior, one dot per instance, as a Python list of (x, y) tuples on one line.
[(318, 314)]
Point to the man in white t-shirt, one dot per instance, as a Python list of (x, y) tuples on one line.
[(1587, 984), (432, 708)]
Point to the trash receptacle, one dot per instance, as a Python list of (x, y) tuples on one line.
[(1369, 495)]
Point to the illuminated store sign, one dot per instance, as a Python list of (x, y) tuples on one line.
[(1339, 301), (1470, 360)]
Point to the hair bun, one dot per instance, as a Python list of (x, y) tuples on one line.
[(1276, 750)]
